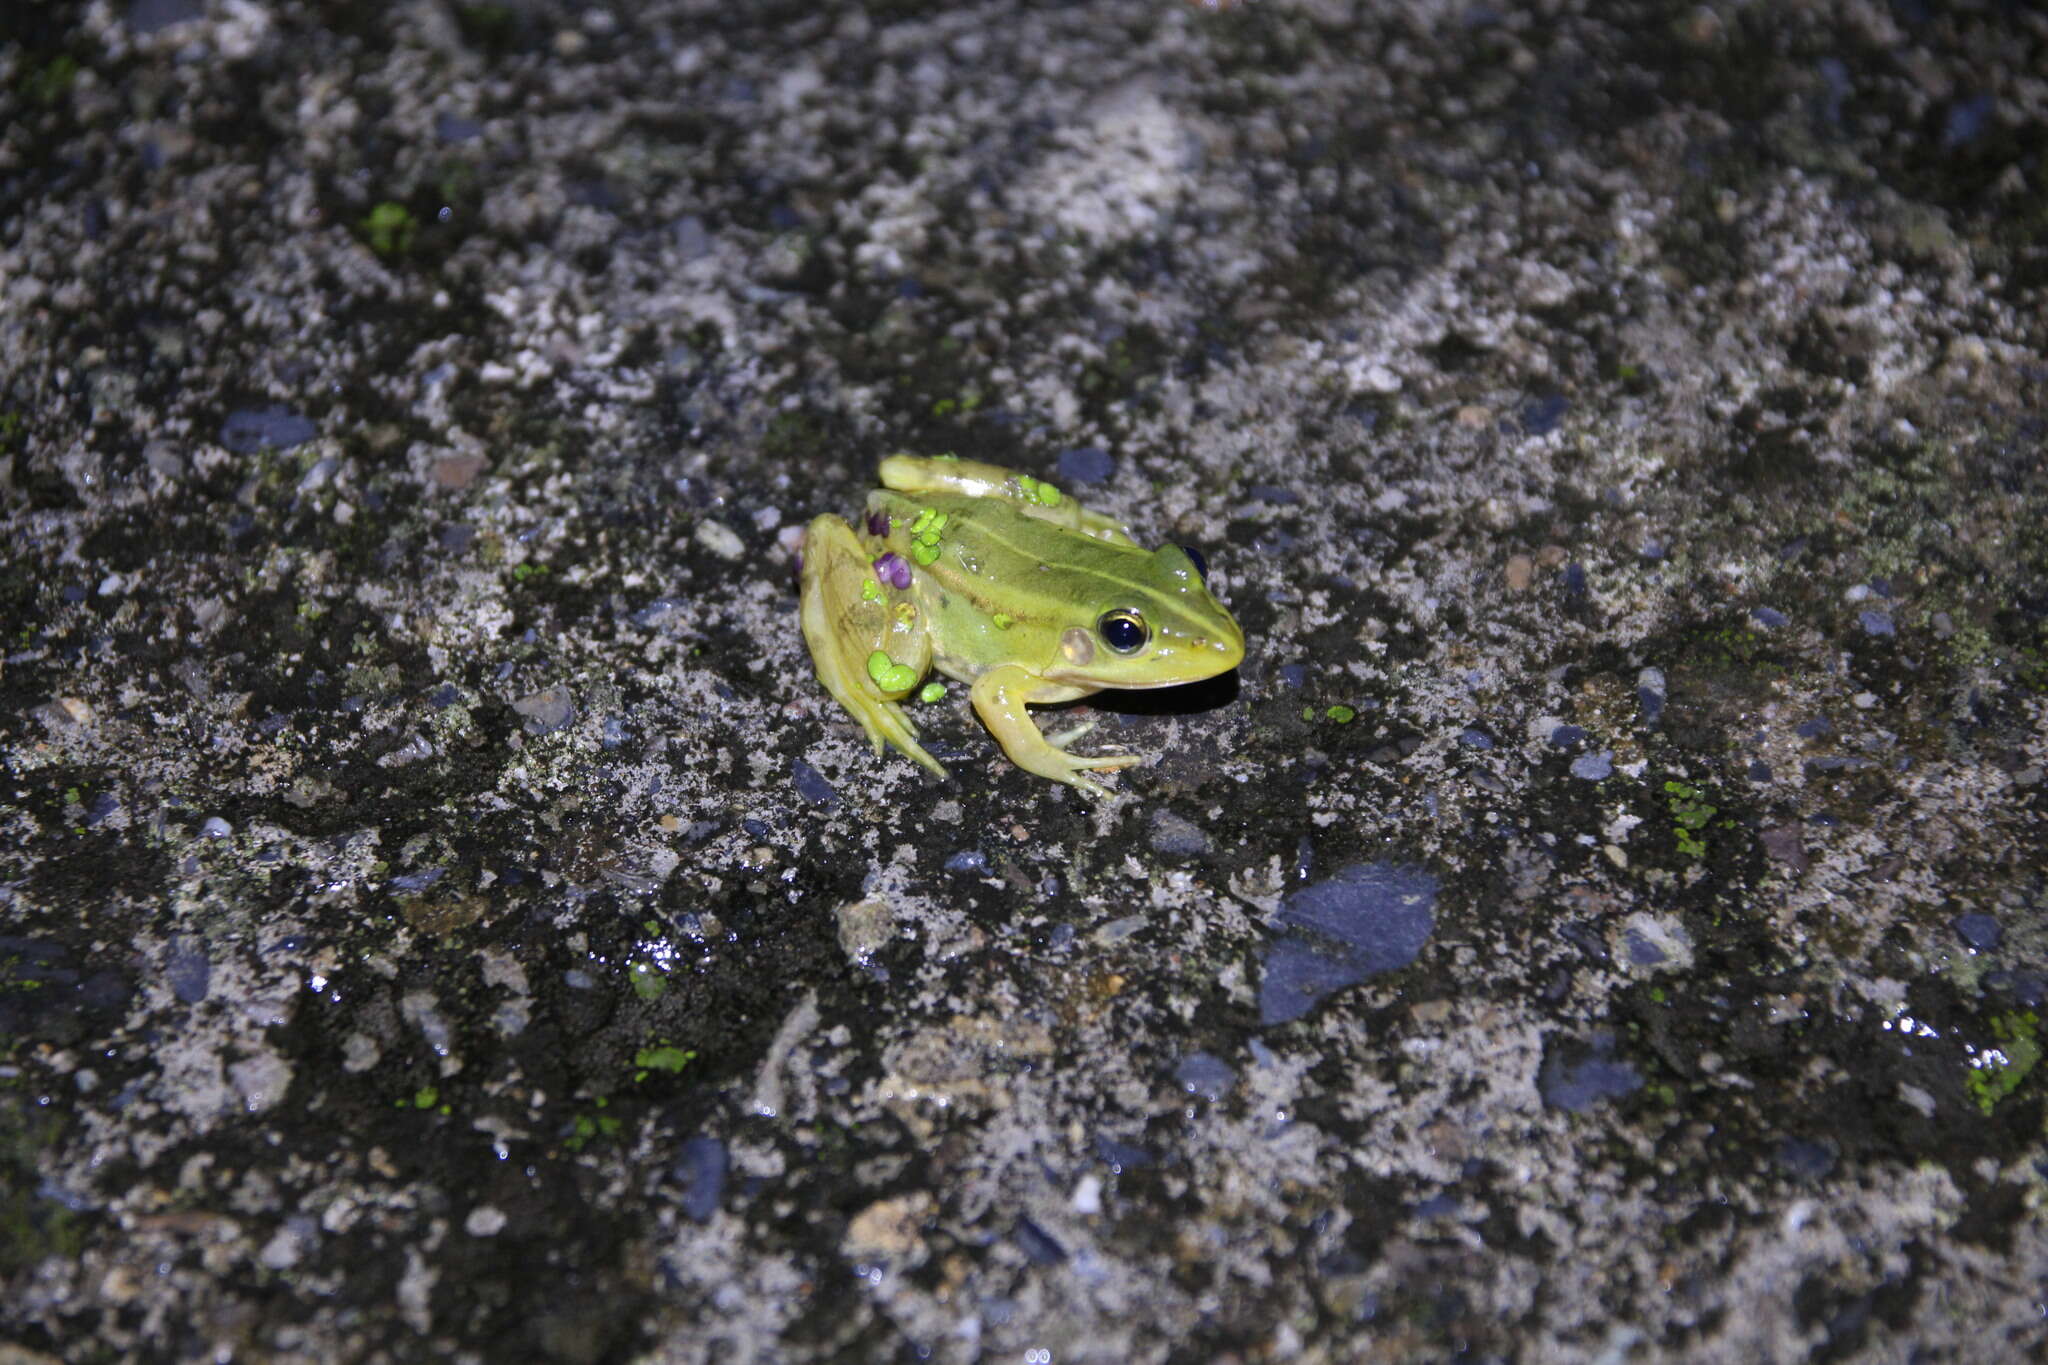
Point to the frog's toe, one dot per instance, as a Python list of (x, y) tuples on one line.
[(1088, 786), (887, 724), (1068, 736), (1103, 762)]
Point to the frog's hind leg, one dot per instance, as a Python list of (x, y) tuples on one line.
[(974, 479), (848, 621)]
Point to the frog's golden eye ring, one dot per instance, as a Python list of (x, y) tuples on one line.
[(1123, 630), (1199, 560)]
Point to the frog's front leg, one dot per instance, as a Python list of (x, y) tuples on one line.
[(1000, 696), (866, 642)]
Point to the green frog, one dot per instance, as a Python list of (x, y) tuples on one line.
[(1000, 581)]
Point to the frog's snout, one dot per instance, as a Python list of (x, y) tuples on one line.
[(1219, 652), (1228, 645)]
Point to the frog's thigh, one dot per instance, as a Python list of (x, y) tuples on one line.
[(844, 626), (916, 474), (1000, 696)]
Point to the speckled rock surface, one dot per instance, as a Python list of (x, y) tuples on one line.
[(441, 917)]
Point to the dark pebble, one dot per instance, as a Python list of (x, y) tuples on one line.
[(1568, 736), (701, 1170), (1205, 1076), (1444, 1205), (1575, 1076), (1770, 618), (1038, 1245), (151, 16), (456, 128), (249, 430), (811, 784), (1964, 120), (412, 883), (1366, 919), (1817, 728), (1121, 1156), (1177, 836), (1474, 738), (2027, 989), (187, 970), (969, 862), (1875, 622), (1978, 931), (1086, 465), (1542, 417)]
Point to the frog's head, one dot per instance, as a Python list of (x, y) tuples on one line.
[(1160, 627)]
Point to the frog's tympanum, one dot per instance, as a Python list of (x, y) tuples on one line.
[(998, 580)]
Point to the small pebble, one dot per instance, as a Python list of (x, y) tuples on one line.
[(249, 430), (1978, 931), (1085, 465), (1576, 1076), (1177, 836), (701, 1170), (1205, 1076), (547, 710), (812, 785), (1594, 767)]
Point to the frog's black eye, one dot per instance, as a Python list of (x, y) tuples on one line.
[(1123, 630), (1199, 560)]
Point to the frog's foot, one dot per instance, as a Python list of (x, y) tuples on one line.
[(999, 699), (1065, 738), (847, 627)]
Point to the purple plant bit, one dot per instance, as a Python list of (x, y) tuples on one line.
[(878, 523), (894, 570)]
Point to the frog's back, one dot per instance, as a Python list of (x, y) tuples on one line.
[(1000, 561)]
